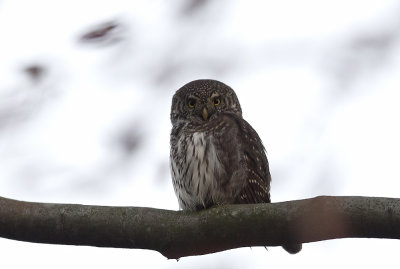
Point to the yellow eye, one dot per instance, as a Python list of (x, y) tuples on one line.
[(217, 101), (191, 102)]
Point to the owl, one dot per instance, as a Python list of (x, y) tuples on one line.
[(216, 156)]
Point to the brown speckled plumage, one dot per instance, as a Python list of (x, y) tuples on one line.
[(216, 156)]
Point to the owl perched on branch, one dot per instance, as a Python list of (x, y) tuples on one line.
[(216, 156)]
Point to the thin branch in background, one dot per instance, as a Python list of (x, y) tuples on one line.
[(106, 33)]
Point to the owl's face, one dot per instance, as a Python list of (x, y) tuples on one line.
[(202, 100)]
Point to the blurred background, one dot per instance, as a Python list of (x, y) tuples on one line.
[(86, 89)]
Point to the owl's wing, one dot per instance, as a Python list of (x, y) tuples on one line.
[(254, 161), (241, 152)]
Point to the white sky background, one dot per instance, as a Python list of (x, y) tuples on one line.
[(318, 80)]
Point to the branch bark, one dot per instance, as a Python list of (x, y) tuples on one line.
[(176, 233)]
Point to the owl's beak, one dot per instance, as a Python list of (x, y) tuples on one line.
[(205, 113)]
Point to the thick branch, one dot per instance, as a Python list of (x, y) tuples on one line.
[(176, 234)]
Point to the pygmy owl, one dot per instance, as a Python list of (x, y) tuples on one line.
[(216, 156)]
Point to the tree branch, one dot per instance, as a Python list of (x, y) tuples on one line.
[(176, 233)]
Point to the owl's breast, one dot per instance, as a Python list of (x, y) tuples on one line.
[(196, 170)]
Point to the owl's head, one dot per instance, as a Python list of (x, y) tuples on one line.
[(202, 100)]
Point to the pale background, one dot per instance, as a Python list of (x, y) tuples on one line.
[(318, 80)]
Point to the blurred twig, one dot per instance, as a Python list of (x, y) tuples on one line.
[(176, 233)]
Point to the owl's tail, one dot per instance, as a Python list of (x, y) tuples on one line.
[(292, 248)]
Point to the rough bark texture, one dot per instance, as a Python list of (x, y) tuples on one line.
[(176, 233)]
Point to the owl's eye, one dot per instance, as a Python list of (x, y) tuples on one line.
[(217, 101), (191, 102)]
